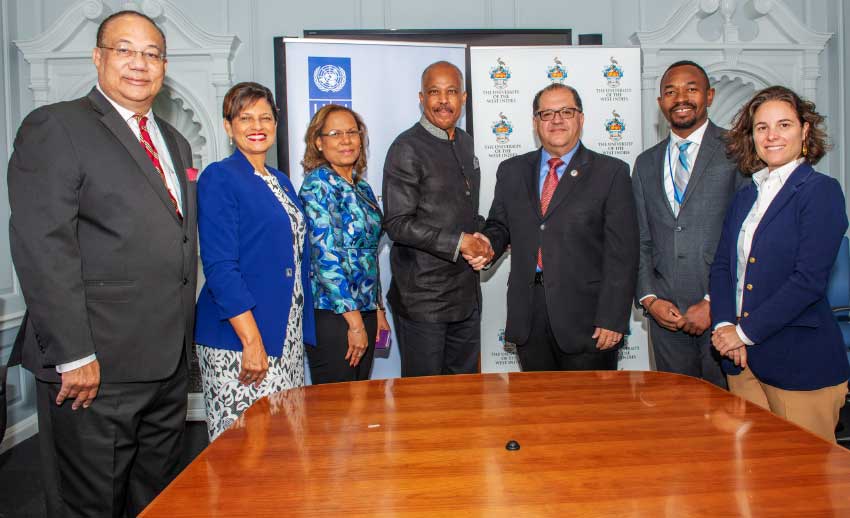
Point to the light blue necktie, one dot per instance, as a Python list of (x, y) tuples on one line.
[(682, 173)]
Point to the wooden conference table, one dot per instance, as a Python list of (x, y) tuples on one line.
[(625, 444)]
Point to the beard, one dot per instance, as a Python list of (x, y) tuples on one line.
[(683, 123)]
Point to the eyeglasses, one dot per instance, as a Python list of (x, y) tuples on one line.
[(565, 113), (336, 134), (154, 57)]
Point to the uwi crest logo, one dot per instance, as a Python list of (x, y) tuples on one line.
[(502, 128), (615, 127), (613, 73), (500, 74), (557, 73)]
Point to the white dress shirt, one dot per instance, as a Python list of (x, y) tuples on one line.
[(671, 157), (768, 185), (170, 179), (158, 142)]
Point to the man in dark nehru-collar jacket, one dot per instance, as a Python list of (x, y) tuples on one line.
[(430, 195)]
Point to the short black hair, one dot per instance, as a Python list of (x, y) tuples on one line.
[(686, 63), (109, 19), (535, 104)]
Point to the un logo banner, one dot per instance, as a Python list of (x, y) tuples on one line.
[(330, 81)]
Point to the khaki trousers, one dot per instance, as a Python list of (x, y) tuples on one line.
[(814, 410)]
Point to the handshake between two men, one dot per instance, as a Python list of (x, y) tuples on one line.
[(476, 250)]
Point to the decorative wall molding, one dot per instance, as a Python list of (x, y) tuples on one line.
[(752, 44), (199, 65)]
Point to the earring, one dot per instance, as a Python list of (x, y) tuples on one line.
[(805, 149), (320, 149), (231, 141)]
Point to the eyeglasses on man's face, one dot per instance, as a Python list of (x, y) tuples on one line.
[(565, 113), (152, 56)]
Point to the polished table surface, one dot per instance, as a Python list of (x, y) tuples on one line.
[(619, 444)]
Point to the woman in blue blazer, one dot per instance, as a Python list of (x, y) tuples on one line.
[(255, 312), (780, 238)]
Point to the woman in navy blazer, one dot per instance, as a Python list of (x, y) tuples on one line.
[(781, 236), (255, 312)]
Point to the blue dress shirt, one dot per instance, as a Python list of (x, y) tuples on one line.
[(544, 166)]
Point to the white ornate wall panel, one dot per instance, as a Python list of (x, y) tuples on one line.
[(744, 46), (199, 67)]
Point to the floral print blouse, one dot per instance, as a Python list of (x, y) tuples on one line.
[(345, 229)]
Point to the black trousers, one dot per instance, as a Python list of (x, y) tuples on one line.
[(541, 351), (113, 458), (432, 348), (682, 353), (327, 359)]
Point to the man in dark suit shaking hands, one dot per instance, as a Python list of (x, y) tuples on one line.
[(683, 186), (102, 234), (568, 214)]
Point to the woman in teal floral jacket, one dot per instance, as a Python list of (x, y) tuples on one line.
[(345, 229)]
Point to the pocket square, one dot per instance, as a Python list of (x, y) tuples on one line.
[(192, 174)]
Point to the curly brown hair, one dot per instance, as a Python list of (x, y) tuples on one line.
[(314, 158), (739, 140)]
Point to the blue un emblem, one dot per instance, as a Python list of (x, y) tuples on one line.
[(330, 82)]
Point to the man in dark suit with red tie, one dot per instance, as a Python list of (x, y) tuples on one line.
[(102, 234), (569, 217)]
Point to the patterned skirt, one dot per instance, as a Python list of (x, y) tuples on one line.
[(225, 398)]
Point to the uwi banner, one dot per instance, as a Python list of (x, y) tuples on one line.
[(504, 82), (379, 80)]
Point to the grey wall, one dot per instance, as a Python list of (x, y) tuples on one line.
[(256, 22)]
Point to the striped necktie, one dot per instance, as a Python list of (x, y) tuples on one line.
[(681, 173), (549, 186), (150, 149)]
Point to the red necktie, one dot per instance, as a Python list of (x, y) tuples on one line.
[(150, 149), (549, 186)]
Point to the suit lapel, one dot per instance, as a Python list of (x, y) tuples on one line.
[(785, 194), (580, 163), (656, 182), (708, 147), (178, 163), (532, 179), (118, 126), (742, 209)]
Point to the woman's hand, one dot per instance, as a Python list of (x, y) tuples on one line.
[(725, 339), (357, 341), (255, 363), (357, 344), (383, 325), (739, 356)]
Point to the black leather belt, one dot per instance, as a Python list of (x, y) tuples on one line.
[(538, 278)]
